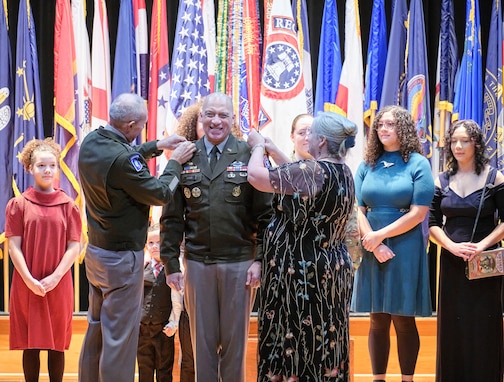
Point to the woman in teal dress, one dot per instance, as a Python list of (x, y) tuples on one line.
[(394, 188), (307, 273)]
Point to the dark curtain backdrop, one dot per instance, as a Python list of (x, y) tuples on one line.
[(44, 14)]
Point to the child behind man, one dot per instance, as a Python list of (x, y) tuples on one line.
[(156, 348)]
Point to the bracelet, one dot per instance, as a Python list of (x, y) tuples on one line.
[(256, 146)]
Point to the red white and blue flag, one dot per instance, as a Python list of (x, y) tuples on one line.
[(208, 11), (190, 60), (282, 86), (100, 65), (159, 86), (350, 98), (141, 48), (65, 84), (83, 58)]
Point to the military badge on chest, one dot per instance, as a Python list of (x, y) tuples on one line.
[(237, 168), (190, 168), (237, 172), (191, 174), (236, 191)]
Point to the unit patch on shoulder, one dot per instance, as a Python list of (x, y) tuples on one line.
[(136, 162)]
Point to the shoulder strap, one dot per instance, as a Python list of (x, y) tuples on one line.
[(444, 179), (480, 204), (492, 174)]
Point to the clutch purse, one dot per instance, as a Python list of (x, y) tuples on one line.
[(487, 264)]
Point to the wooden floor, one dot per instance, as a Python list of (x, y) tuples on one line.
[(11, 370)]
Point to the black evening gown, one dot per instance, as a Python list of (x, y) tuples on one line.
[(470, 343)]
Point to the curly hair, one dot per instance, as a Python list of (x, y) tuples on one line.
[(36, 146), (188, 122), (409, 142), (476, 136)]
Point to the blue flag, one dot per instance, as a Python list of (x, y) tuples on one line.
[(395, 69), (493, 117), (28, 120), (415, 92), (329, 60), (376, 59), (448, 61), (468, 103), (124, 79), (6, 124)]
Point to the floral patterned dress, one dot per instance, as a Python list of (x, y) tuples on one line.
[(307, 278)]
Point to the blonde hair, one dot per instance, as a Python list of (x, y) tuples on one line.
[(36, 146)]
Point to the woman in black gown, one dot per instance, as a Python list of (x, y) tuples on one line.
[(469, 335)]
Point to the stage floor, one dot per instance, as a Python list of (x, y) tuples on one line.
[(11, 369)]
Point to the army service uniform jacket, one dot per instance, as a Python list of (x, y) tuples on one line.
[(119, 189), (222, 216)]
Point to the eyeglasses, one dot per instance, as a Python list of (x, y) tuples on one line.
[(387, 125)]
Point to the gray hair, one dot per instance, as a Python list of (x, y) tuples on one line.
[(127, 107), (339, 131)]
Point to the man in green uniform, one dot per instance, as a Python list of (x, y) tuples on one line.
[(223, 218), (119, 191)]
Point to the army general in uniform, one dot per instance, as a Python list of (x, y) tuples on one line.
[(119, 191), (222, 217)]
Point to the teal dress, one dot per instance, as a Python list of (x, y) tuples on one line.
[(399, 286)]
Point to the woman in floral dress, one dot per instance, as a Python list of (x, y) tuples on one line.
[(307, 274)]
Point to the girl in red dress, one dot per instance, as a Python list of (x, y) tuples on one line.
[(43, 226)]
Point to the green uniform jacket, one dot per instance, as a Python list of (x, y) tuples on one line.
[(119, 189), (222, 215)]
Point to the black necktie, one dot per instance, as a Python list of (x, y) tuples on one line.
[(213, 157)]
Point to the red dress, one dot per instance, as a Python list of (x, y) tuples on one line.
[(46, 223)]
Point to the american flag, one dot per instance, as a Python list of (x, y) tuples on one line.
[(190, 80)]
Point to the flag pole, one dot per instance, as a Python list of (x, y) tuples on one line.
[(442, 120), (6, 275)]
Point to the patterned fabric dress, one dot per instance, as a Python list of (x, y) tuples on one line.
[(307, 277)]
